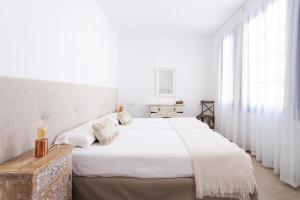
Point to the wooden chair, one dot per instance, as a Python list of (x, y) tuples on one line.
[(207, 114)]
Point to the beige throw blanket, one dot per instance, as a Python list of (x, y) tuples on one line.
[(221, 168)]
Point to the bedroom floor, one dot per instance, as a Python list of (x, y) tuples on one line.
[(269, 186)]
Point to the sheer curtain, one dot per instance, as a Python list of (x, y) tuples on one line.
[(226, 84), (229, 46), (289, 163), (263, 81), (258, 85)]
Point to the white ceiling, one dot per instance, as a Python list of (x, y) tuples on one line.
[(169, 17)]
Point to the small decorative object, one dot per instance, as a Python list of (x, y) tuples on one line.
[(41, 144), (180, 102), (119, 108)]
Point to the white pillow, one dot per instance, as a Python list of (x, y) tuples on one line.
[(112, 116), (105, 131), (81, 136)]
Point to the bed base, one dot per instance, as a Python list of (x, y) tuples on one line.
[(122, 188)]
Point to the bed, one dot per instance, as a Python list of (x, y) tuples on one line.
[(148, 160), (62, 106)]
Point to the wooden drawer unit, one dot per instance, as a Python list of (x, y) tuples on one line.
[(166, 111), (27, 177)]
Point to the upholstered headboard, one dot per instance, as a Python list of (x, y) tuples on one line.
[(27, 104)]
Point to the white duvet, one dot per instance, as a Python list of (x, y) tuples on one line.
[(142, 153), (146, 148), (187, 123), (147, 123)]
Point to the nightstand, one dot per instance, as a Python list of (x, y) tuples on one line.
[(27, 177)]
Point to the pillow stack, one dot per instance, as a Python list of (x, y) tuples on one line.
[(105, 130)]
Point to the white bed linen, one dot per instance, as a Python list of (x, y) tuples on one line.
[(148, 123), (141, 153), (187, 122)]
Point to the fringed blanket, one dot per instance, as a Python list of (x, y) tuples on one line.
[(220, 167)]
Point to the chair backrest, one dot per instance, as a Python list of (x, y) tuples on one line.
[(207, 107)]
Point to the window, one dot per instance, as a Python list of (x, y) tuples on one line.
[(263, 55), (266, 54)]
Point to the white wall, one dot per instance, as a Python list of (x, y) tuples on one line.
[(59, 40), (192, 58)]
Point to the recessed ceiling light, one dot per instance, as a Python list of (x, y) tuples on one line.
[(132, 25)]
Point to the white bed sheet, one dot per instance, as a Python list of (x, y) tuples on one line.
[(187, 122), (147, 123), (141, 153)]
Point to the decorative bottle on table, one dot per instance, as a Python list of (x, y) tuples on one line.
[(41, 144)]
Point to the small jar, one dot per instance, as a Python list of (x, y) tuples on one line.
[(41, 148)]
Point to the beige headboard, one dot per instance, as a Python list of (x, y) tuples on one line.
[(27, 104)]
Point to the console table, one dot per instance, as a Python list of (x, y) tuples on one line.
[(166, 111)]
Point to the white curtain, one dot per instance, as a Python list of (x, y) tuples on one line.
[(229, 51), (258, 86), (289, 163), (262, 81), (226, 84)]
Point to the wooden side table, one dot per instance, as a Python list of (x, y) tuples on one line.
[(27, 177)]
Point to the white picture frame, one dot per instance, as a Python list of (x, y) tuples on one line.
[(165, 81)]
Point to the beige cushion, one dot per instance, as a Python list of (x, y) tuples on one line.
[(105, 131), (124, 117)]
